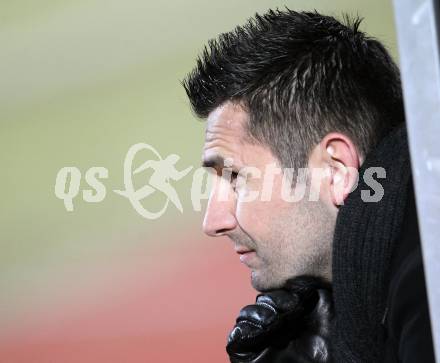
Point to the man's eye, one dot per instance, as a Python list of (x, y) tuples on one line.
[(234, 177), (231, 177)]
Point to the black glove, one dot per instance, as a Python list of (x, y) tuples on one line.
[(289, 325)]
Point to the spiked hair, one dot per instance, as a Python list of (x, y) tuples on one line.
[(300, 75)]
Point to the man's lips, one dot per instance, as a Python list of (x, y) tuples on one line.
[(242, 250), (245, 253)]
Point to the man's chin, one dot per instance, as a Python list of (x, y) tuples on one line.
[(262, 283)]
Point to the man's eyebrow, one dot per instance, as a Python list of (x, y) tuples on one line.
[(214, 161)]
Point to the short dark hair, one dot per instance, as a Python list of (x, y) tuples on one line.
[(300, 75)]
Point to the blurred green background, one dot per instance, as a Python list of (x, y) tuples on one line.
[(82, 81)]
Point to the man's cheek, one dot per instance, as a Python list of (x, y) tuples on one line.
[(243, 214), (251, 214), (247, 191)]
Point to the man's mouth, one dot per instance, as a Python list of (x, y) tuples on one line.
[(246, 254)]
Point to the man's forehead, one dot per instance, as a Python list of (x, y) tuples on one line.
[(225, 134), (227, 117)]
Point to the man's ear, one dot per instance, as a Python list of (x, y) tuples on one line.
[(343, 159)]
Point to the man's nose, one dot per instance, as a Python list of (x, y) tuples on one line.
[(219, 217)]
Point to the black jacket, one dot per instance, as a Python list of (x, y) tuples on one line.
[(406, 318), (381, 310)]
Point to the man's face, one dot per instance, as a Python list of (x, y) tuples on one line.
[(276, 239)]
